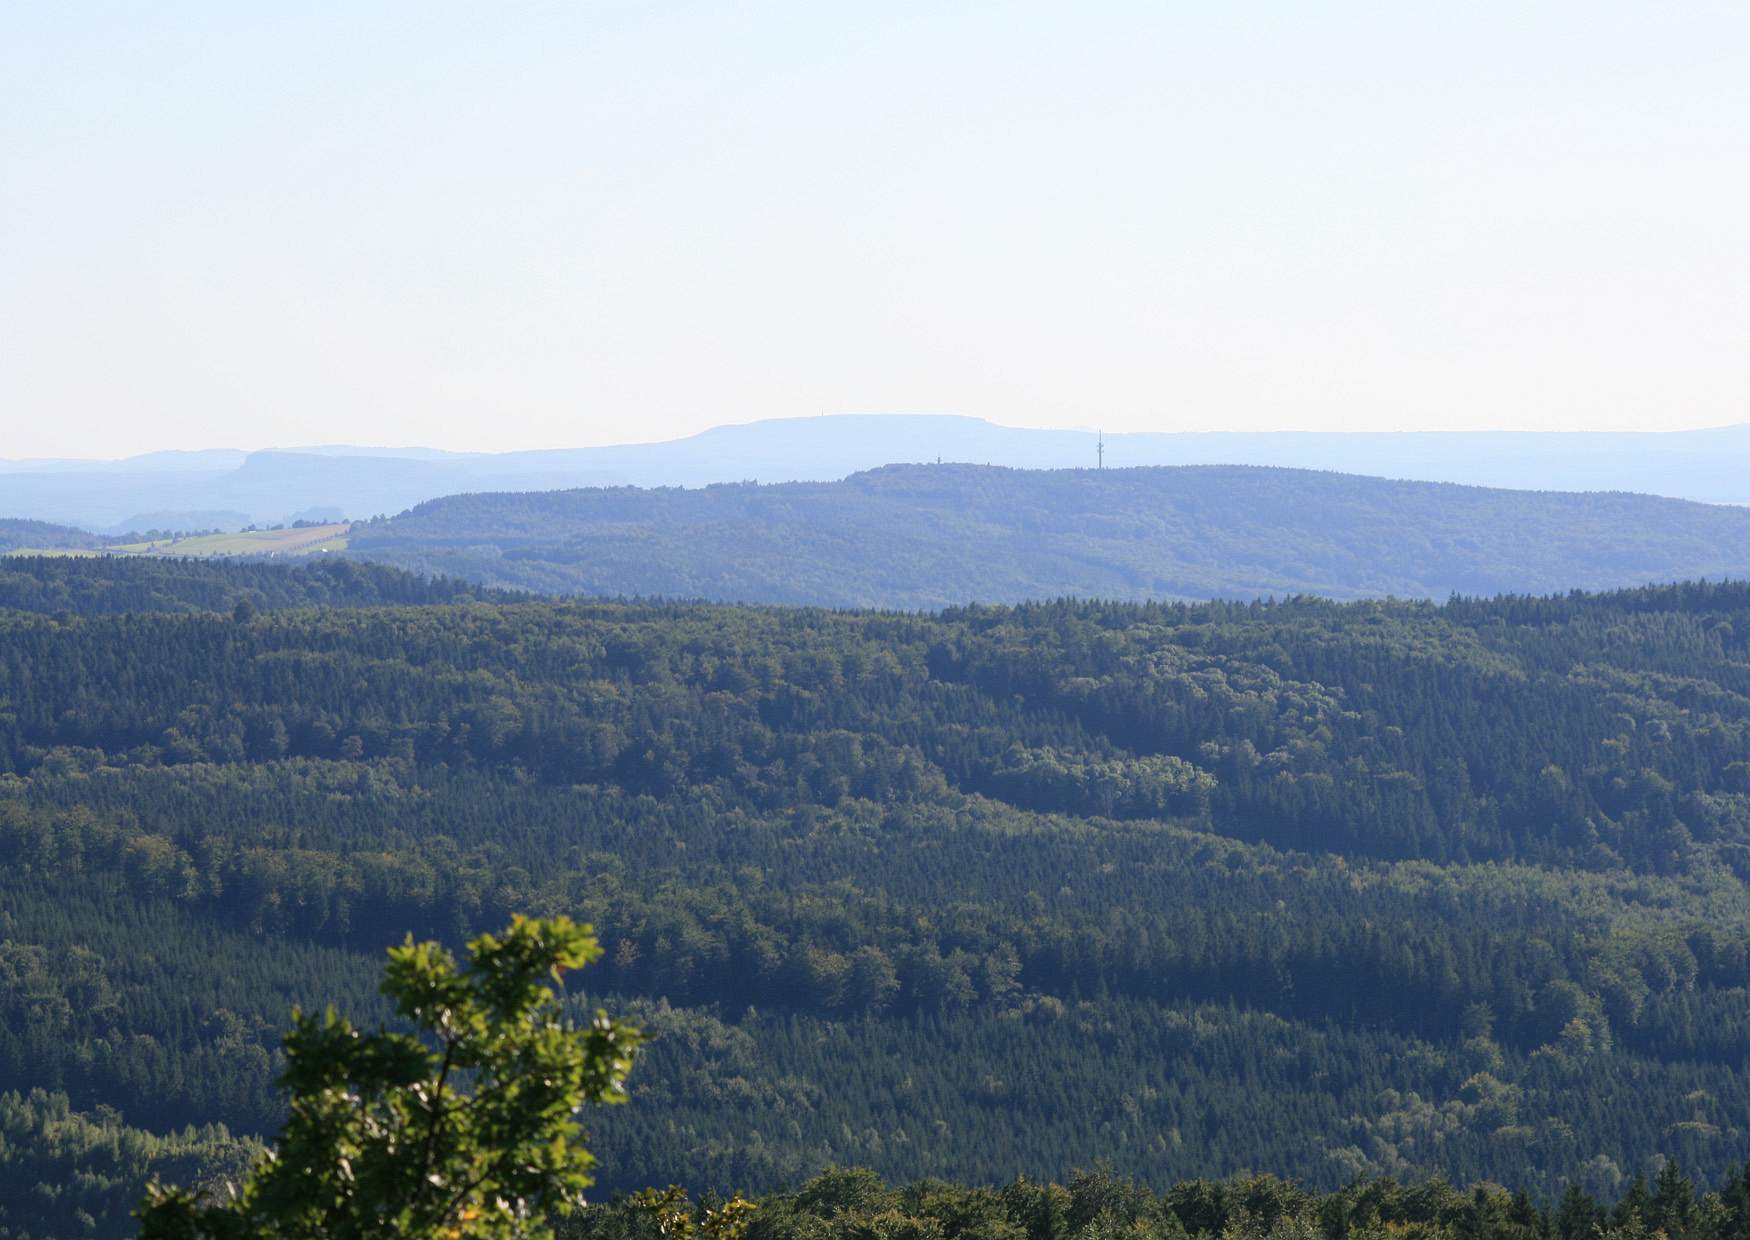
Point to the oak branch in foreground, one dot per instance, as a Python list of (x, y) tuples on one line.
[(465, 1129)]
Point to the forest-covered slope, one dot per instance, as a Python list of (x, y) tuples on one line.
[(1312, 888), (108, 585), (43, 535), (931, 536)]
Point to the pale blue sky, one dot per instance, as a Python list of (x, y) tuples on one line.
[(517, 225)]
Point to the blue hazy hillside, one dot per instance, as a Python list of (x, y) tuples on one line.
[(926, 536)]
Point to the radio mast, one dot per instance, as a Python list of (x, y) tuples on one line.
[(1100, 450)]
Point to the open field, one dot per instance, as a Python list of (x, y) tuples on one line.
[(314, 539)]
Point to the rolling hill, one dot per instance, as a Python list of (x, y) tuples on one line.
[(931, 536), (44, 535)]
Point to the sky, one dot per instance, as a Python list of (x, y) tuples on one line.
[(537, 224)]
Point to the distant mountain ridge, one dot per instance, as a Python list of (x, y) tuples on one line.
[(1711, 466), (923, 537)]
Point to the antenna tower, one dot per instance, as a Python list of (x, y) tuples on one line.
[(1100, 450)]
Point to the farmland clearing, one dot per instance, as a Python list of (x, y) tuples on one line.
[(306, 540)]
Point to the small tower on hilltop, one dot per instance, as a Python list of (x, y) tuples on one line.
[(1099, 449)]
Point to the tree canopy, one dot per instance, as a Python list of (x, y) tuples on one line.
[(1330, 890), (465, 1128)]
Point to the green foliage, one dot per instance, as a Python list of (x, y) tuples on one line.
[(678, 1218), (1097, 1204), (66, 1173), (471, 1135), (1378, 889), (109, 585)]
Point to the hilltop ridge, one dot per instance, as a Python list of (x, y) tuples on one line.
[(915, 536)]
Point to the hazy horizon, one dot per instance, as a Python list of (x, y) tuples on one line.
[(359, 446), (547, 225)]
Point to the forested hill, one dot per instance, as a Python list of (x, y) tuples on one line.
[(105, 585), (1321, 889), (931, 536), (43, 535)]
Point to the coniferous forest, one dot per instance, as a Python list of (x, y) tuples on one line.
[(1341, 893)]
